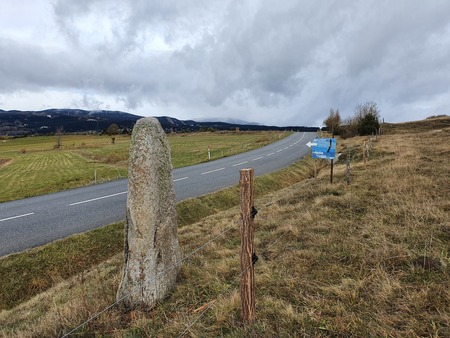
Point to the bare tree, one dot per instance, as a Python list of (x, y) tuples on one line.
[(333, 121), (58, 133), (364, 122)]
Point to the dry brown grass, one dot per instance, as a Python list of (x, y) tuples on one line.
[(4, 162), (366, 260)]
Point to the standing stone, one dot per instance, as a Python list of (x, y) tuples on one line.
[(152, 256)]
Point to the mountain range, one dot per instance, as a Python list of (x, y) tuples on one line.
[(50, 121)]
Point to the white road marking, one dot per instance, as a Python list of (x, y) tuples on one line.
[(302, 137), (286, 148), (258, 158), (9, 218), (270, 154), (98, 198), (279, 150), (180, 179), (235, 165), (212, 171)]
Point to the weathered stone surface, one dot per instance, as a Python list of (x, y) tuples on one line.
[(152, 256)]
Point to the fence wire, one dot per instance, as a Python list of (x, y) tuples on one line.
[(202, 313), (170, 268), (165, 271), (227, 290)]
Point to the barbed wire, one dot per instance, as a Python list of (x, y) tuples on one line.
[(170, 268), (165, 271), (211, 304)]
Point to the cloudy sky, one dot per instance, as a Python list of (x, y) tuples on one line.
[(274, 62)]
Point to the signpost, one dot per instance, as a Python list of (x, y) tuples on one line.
[(324, 148)]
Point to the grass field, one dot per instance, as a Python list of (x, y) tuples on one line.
[(32, 166), (369, 259)]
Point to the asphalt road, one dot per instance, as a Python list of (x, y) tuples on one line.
[(36, 221)]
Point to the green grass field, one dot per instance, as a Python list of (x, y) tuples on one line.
[(32, 166)]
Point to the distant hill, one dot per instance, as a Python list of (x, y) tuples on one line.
[(21, 123), (226, 120)]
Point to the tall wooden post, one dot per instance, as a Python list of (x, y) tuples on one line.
[(331, 171), (348, 166), (247, 250), (315, 169), (364, 152)]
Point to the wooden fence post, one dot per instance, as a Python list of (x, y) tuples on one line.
[(331, 171), (247, 251), (315, 169), (348, 166), (364, 152)]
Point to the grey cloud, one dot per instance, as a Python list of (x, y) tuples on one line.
[(31, 67), (285, 62), (134, 22)]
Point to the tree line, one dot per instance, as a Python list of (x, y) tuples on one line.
[(365, 121)]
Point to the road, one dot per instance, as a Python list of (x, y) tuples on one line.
[(39, 220)]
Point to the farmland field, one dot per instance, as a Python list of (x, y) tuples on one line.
[(33, 165)]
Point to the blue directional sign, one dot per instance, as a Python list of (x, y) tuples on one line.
[(323, 148)]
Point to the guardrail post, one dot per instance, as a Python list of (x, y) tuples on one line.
[(248, 212)]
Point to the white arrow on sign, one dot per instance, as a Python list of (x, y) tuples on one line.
[(310, 144)]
